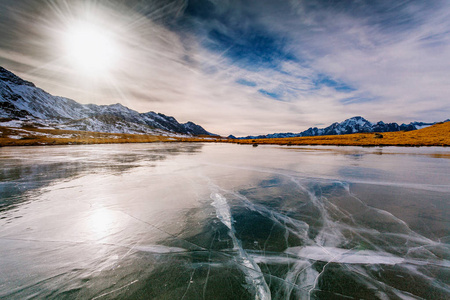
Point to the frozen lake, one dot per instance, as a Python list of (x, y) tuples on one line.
[(224, 221)]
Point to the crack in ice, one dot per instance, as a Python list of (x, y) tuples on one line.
[(253, 274)]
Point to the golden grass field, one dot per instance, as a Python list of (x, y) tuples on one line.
[(33, 137), (436, 135)]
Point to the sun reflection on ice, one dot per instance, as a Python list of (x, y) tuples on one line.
[(101, 222)]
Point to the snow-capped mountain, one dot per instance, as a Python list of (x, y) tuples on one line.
[(22, 100), (353, 125)]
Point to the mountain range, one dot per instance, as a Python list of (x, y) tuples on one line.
[(26, 104), (353, 125)]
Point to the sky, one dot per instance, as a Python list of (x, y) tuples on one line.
[(239, 67)]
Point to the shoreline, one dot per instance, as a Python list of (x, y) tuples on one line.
[(434, 136), (38, 144)]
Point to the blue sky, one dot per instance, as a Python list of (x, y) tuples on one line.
[(249, 66)]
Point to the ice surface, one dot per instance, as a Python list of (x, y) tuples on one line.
[(193, 221)]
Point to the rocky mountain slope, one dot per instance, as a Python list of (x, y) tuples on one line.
[(353, 125), (27, 104)]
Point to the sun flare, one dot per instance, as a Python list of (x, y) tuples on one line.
[(91, 49)]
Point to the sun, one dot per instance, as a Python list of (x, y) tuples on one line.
[(90, 48)]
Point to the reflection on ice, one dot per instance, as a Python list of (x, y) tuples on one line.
[(182, 221), (100, 221)]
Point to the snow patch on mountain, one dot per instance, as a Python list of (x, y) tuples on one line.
[(27, 104)]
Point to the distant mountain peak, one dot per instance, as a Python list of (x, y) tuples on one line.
[(356, 118), (8, 76), (355, 124), (118, 105)]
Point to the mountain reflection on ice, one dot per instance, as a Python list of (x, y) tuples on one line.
[(192, 221)]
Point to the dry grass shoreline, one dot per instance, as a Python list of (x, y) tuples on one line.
[(436, 135)]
